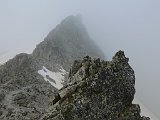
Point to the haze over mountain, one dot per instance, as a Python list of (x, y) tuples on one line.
[(67, 42), (132, 26), (29, 81)]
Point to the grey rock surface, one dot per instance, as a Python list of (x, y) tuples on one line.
[(98, 90), (67, 42), (24, 94)]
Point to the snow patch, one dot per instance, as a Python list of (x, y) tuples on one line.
[(54, 78)]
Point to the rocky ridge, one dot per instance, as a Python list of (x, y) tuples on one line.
[(23, 92), (64, 44), (26, 80), (98, 90)]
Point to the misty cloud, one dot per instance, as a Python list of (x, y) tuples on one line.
[(132, 26)]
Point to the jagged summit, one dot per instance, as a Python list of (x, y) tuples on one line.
[(64, 44), (69, 23), (99, 90)]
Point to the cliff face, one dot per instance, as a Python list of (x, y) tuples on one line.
[(98, 90)]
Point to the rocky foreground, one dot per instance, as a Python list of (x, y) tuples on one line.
[(98, 90)]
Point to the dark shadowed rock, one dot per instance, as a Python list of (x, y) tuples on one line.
[(98, 90)]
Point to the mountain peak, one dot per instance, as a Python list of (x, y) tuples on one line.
[(64, 44), (72, 19)]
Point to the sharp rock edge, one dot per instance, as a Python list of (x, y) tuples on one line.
[(98, 90)]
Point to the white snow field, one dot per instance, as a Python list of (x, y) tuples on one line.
[(57, 77)]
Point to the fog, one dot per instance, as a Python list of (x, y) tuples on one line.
[(132, 26)]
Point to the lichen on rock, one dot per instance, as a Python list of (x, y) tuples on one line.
[(98, 90)]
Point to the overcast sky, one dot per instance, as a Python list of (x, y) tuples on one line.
[(132, 26)]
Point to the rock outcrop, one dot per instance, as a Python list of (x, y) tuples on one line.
[(98, 90)]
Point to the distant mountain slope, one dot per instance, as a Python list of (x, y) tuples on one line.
[(64, 44), (28, 81), (11, 53)]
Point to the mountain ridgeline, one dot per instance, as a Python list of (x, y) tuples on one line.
[(28, 81), (59, 81), (67, 42), (98, 90)]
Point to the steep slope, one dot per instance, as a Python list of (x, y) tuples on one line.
[(98, 90), (28, 81), (67, 42)]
